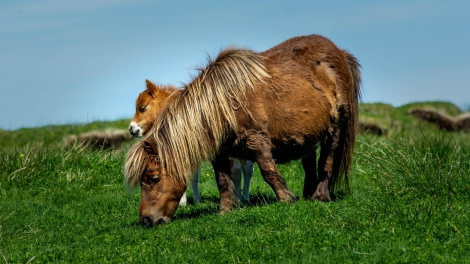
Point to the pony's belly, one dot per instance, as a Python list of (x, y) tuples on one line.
[(283, 149), (284, 152)]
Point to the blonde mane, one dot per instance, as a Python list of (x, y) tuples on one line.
[(134, 166), (197, 120)]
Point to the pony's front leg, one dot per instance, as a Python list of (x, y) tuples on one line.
[(236, 176), (222, 170), (273, 178), (195, 186)]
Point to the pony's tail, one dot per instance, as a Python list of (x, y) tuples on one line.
[(350, 123)]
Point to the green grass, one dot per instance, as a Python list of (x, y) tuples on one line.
[(410, 202)]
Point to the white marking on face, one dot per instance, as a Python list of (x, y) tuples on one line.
[(135, 129)]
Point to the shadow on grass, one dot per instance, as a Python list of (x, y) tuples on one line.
[(259, 199), (210, 205)]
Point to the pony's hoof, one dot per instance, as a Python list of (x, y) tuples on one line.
[(224, 210), (324, 197), (288, 198)]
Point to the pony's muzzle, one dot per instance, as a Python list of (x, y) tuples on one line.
[(135, 129), (147, 221)]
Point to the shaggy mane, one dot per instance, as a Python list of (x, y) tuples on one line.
[(196, 121)]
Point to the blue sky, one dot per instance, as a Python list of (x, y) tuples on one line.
[(64, 61)]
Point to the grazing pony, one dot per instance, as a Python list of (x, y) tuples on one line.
[(270, 107), (148, 106)]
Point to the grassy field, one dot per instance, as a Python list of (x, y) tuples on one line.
[(410, 202)]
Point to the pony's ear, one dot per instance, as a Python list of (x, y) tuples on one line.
[(151, 87), (150, 147)]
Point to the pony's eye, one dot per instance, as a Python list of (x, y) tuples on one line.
[(155, 179), (142, 108)]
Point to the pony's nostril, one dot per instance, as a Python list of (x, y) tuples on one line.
[(161, 221), (147, 221), (135, 132)]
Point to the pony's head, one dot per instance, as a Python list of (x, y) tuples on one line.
[(148, 105), (160, 193)]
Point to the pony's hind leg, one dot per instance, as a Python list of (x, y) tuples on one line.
[(328, 165), (309, 163)]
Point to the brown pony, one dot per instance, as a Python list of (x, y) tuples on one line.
[(270, 107), (148, 106)]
